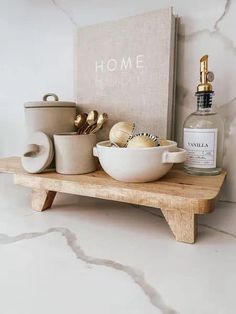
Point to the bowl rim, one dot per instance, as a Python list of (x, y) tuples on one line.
[(102, 146)]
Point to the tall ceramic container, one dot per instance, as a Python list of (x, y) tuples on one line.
[(50, 116)]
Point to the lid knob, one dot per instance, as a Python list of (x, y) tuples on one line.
[(38, 154), (31, 150), (45, 97)]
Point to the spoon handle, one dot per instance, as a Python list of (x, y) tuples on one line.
[(95, 129), (80, 128), (86, 129), (84, 123)]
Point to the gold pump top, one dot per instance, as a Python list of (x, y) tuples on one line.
[(205, 76)]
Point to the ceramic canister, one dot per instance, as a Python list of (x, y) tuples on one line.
[(50, 116), (74, 153)]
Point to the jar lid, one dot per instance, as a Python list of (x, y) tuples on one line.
[(49, 103), (38, 153)]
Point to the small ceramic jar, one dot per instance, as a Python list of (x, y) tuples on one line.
[(74, 153)]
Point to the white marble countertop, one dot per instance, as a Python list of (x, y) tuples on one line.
[(91, 256)]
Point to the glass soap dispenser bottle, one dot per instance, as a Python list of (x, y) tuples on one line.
[(203, 130)]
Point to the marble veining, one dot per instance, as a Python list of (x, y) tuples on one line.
[(136, 275), (216, 30), (105, 256), (226, 9), (65, 12), (72, 242)]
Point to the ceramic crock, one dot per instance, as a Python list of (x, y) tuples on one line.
[(138, 164), (74, 153), (50, 116)]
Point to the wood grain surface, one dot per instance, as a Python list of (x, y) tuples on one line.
[(176, 191)]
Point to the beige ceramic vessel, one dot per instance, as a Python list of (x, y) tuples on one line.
[(74, 153), (50, 116)]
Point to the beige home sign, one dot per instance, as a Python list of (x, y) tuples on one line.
[(126, 68)]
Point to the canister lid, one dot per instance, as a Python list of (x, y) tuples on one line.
[(49, 103), (38, 153)]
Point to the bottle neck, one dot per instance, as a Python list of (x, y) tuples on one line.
[(204, 101), (204, 110)]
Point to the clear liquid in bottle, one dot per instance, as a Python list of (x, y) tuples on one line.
[(203, 131)]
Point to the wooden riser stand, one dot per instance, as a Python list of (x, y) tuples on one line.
[(181, 197)]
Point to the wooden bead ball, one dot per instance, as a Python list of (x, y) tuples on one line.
[(120, 133)]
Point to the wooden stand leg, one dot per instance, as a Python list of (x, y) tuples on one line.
[(182, 224), (42, 199)]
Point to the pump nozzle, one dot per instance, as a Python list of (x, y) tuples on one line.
[(205, 76)]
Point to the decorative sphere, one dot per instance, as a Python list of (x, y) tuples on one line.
[(120, 133), (141, 141)]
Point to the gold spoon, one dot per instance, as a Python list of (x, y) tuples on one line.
[(84, 125), (80, 120), (91, 120), (102, 118)]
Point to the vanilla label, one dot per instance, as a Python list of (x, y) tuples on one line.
[(201, 147)]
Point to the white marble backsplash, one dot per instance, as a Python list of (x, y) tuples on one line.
[(37, 56)]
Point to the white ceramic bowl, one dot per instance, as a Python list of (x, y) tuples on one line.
[(138, 164)]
